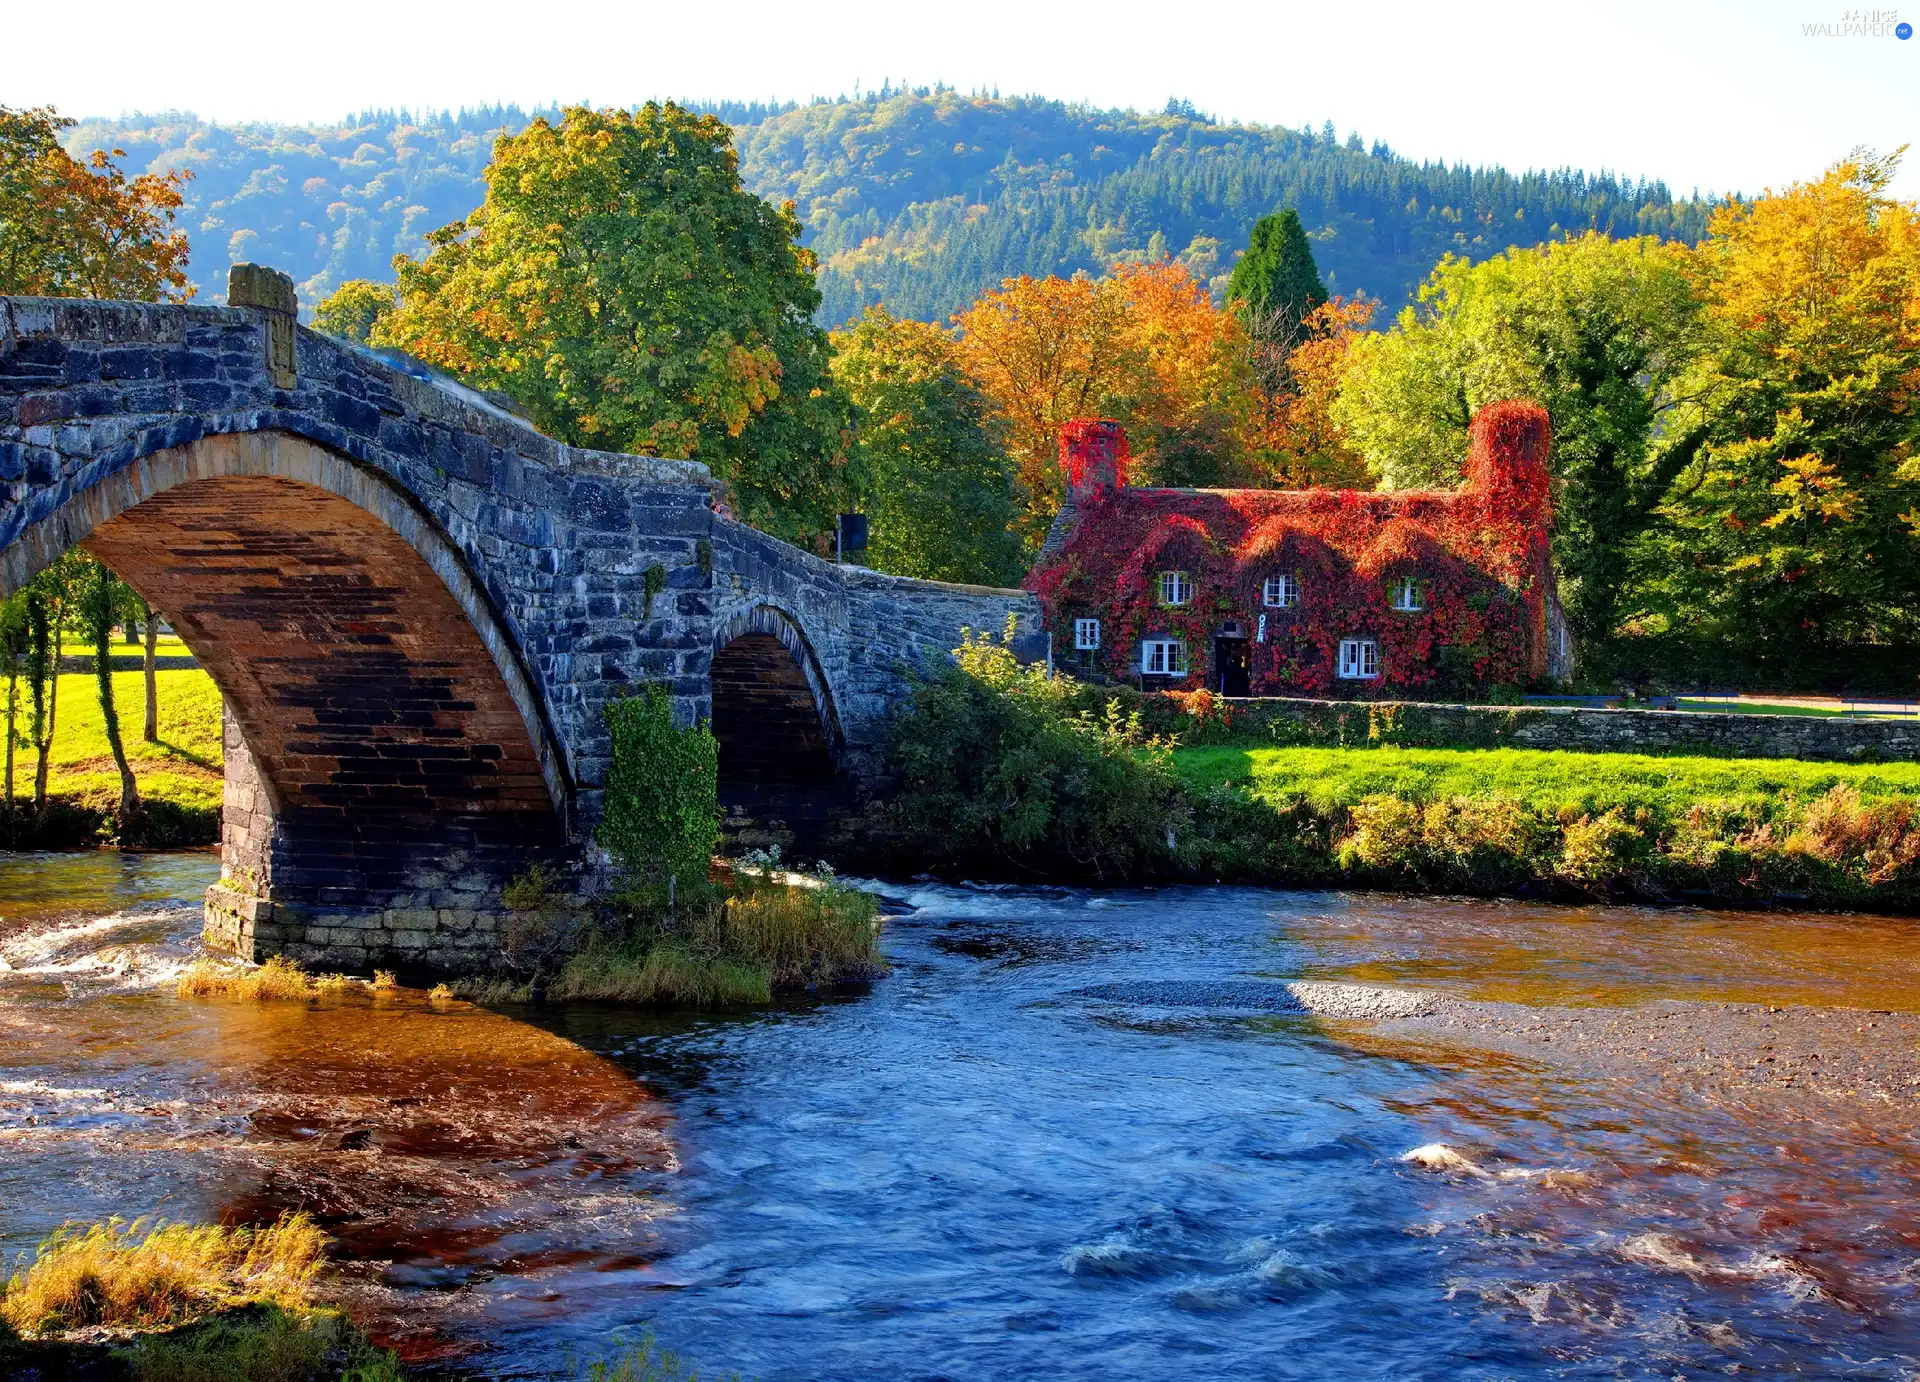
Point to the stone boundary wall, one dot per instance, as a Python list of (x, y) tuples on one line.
[(1411, 724)]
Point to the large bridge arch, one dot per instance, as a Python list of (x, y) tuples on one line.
[(395, 765)]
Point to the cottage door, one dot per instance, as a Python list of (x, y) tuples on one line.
[(1230, 667)]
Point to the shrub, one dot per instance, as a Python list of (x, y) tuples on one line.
[(134, 1276), (1602, 849), (662, 819), (262, 1344), (1002, 765)]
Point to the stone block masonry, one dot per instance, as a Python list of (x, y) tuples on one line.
[(416, 606), (1407, 724)]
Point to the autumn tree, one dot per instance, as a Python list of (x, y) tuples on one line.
[(1795, 541), (354, 309), (939, 485), (1602, 332), (622, 286), (1144, 345), (1295, 439), (84, 229)]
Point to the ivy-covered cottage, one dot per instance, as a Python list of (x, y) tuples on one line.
[(1308, 592)]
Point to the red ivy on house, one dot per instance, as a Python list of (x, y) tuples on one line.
[(1477, 558)]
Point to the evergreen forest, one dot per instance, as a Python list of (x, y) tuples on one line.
[(915, 200)]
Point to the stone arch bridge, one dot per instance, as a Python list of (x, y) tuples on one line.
[(416, 607)]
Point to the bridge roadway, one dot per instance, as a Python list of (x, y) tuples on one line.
[(416, 607)]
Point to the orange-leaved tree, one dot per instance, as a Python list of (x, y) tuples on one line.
[(1294, 435), (84, 229), (1145, 345)]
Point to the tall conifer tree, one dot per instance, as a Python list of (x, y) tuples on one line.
[(1277, 277)]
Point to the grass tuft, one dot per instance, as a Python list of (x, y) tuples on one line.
[(121, 1276), (727, 951), (279, 978), (262, 1344)]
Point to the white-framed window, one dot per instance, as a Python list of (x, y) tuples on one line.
[(1163, 657), (1407, 595), (1176, 587), (1359, 659), (1280, 592), (1086, 635)]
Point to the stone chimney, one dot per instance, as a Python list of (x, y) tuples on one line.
[(1507, 459), (1093, 459), (1093, 455)]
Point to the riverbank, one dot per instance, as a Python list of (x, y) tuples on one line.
[(1797, 1061), (1560, 824)]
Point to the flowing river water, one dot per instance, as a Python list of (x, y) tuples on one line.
[(1072, 1135)]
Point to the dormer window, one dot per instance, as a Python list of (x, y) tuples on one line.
[(1280, 592), (1408, 597), (1176, 588)]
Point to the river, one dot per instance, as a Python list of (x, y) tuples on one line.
[(1065, 1138)]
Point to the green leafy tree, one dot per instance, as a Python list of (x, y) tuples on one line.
[(354, 309), (13, 649), (939, 481), (1601, 332), (662, 815), (623, 287), (1794, 544)]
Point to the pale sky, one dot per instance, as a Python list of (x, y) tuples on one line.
[(1703, 93)]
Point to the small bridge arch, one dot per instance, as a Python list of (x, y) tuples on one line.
[(776, 720)]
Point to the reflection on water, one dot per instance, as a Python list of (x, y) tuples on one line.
[(1548, 954), (982, 1170)]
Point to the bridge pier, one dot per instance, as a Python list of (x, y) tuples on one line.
[(425, 899)]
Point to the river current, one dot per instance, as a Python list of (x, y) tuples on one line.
[(1064, 1138)]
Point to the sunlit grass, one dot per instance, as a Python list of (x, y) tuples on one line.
[(183, 769), (1544, 780), (278, 979), (118, 1275), (732, 950)]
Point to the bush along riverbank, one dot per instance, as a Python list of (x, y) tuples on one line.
[(1006, 772), (675, 928)]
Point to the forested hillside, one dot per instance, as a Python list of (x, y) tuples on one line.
[(914, 199)]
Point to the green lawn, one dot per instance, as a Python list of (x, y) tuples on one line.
[(1549, 781), (167, 645), (184, 767)]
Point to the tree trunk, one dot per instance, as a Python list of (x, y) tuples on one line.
[(151, 732), (99, 610), (13, 705), (44, 748)]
